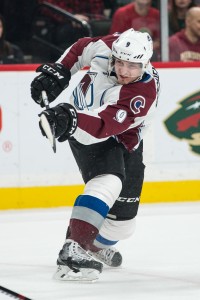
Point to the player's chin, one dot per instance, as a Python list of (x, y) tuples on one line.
[(124, 80)]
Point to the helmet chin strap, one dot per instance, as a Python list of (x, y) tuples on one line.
[(138, 79)]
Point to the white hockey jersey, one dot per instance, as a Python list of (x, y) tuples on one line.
[(106, 108)]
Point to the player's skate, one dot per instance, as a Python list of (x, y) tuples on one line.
[(109, 256), (75, 264)]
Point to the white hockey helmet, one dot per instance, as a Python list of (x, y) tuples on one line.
[(133, 46)]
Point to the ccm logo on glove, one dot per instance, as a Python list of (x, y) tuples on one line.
[(53, 71), (54, 78), (74, 121)]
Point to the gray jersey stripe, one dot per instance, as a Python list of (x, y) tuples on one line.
[(87, 215)]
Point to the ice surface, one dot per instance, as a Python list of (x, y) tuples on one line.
[(161, 261)]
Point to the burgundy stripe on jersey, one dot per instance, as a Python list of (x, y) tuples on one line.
[(134, 102), (109, 39), (103, 125), (130, 139), (76, 51)]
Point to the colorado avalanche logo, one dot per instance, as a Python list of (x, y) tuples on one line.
[(84, 93), (137, 103), (185, 122)]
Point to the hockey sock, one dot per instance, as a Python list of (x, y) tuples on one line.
[(88, 215), (82, 232), (101, 242)]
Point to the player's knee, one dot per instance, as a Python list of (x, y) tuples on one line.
[(105, 187)]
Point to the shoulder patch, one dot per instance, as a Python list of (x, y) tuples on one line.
[(121, 115), (137, 103)]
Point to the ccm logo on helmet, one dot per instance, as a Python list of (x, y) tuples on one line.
[(137, 103), (124, 53)]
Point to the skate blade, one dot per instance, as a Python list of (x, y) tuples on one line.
[(64, 273)]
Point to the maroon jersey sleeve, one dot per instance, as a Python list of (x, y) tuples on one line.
[(84, 50), (113, 119)]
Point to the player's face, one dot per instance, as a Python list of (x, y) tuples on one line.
[(127, 71)]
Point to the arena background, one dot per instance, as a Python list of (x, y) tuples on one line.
[(32, 176)]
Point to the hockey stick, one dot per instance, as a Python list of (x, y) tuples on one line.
[(12, 294), (48, 129)]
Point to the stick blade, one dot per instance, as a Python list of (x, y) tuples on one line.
[(49, 131)]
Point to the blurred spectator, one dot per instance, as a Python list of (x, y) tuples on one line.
[(83, 9), (141, 16), (185, 44), (156, 4), (177, 12), (1, 7), (18, 20), (60, 31), (9, 53)]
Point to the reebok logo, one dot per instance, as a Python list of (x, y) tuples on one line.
[(138, 56)]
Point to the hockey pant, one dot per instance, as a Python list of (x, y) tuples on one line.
[(109, 203)]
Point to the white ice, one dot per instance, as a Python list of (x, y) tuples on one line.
[(161, 261)]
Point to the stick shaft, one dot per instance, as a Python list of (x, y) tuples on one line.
[(12, 293), (45, 99), (50, 131)]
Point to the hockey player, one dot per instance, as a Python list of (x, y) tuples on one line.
[(110, 109)]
